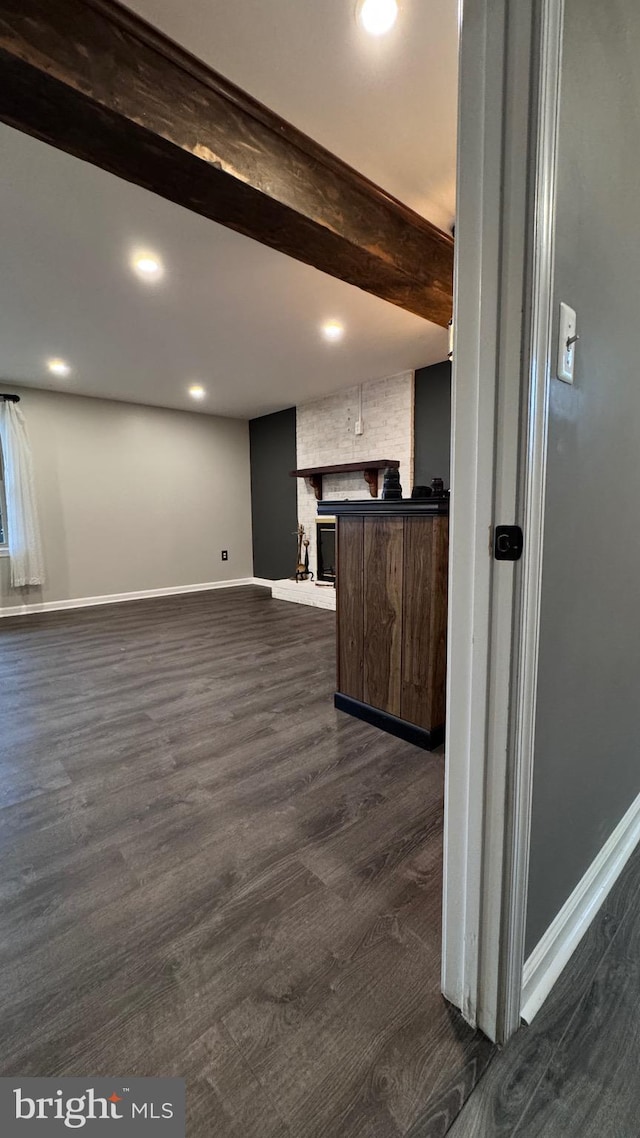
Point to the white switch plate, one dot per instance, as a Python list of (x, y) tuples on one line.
[(566, 350)]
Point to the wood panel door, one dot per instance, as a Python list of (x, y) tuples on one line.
[(439, 576), (416, 604), (350, 605), (424, 621), (382, 650)]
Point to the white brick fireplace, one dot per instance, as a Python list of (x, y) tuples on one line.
[(325, 435)]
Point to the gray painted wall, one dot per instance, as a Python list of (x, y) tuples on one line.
[(273, 494), (587, 772), (432, 424), (134, 498)]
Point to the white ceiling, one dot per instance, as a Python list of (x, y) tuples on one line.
[(231, 314)]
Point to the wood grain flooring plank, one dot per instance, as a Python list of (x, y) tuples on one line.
[(21, 781), (229, 1097), (317, 1050), (506, 1091), (34, 906), (390, 1036), (397, 870), (206, 870), (589, 1086), (449, 1092)]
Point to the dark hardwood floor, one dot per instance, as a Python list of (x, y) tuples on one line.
[(207, 871), (573, 1073)]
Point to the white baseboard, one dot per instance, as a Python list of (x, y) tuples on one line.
[(264, 581), (554, 950), (117, 598)]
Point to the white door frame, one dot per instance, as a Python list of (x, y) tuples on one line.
[(509, 99)]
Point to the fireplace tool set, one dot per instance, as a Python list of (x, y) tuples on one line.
[(303, 572)]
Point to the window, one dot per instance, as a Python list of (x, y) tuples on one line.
[(3, 511)]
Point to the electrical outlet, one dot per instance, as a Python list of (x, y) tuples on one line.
[(225, 554)]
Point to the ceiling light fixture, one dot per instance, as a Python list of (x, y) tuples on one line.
[(197, 391), (147, 266), (377, 17), (58, 367), (333, 331)]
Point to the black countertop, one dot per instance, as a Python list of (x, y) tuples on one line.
[(385, 508)]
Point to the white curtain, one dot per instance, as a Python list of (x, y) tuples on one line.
[(23, 529)]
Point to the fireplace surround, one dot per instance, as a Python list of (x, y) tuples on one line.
[(326, 550), (326, 438)]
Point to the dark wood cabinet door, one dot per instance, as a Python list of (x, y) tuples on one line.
[(416, 631), (439, 576), (350, 605), (424, 638), (392, 615), (383, 570)]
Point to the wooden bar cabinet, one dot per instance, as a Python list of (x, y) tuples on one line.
[(392, 614)]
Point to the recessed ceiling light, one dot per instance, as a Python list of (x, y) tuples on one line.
[(333, 330), (58, 367), (147, 266), (197, 391), (377, 17)]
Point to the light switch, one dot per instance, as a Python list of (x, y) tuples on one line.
[(567, 343)]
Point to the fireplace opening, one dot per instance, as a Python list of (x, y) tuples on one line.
[(326, 550)]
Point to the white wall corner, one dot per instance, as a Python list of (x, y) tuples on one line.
[(564, 934)]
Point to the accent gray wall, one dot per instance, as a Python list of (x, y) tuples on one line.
[(273, 494), (133, 498), (586, 758), (432, 424)]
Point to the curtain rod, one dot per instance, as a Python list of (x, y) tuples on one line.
[(9, 398)]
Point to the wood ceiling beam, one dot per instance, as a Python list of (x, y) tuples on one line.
[(91, 78)]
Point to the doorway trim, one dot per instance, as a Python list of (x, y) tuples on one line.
[(540, 355), (508, 123)]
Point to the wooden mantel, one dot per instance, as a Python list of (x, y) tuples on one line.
[(369, 470)]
